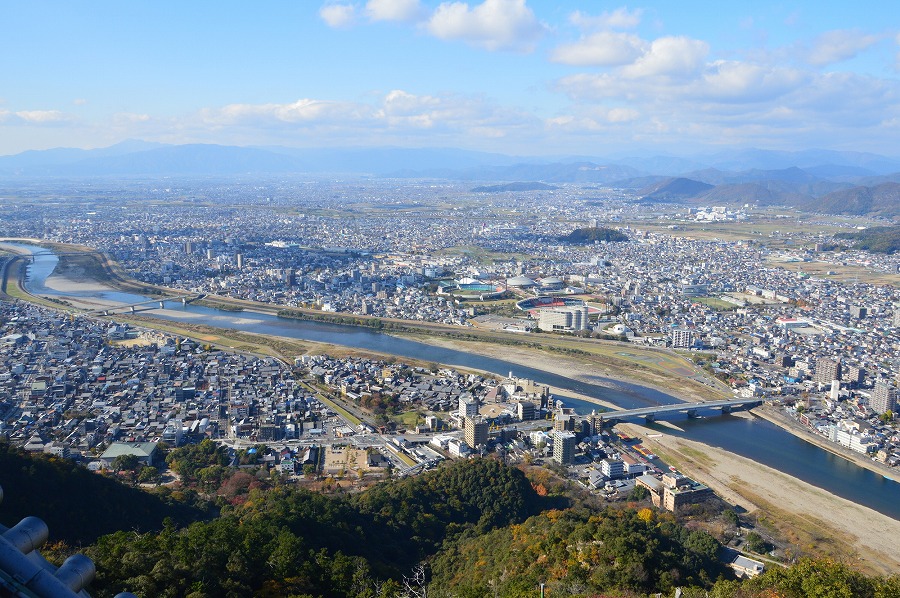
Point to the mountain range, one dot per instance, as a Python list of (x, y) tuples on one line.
[(816, 180)]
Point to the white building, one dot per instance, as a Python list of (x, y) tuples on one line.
[(563, 319)]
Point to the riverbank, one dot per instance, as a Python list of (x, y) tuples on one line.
[(789, 424), (812, 520), (800, 523), (580, 368)]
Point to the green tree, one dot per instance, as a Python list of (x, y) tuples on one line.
[(148, 475), (125, 463), (756, 543)]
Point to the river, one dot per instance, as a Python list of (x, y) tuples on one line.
[(754, 438)]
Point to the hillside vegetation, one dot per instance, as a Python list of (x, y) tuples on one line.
[(878, 239), (474, 528), (591, 235)]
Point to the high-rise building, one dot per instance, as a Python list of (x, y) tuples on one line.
[(853, 374), (476, 432), (827, 369), (467, 408), (884, 398), (564, 447), (682, 339)]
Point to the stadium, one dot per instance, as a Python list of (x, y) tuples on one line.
[(470, 288), (535, 304)]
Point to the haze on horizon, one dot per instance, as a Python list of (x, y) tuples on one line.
[(521, 77)]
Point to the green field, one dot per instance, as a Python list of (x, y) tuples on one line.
[(716, 303)]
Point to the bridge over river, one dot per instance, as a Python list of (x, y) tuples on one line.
[(143, 305), (649, 413)]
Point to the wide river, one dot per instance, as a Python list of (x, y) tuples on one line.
[(754, 438)]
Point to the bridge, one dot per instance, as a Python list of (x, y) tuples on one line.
[(144, 305), (650, 413), (42, 252)]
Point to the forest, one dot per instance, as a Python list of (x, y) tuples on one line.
[(585, 236), (471, 528)]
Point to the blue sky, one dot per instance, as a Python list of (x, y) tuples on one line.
[(524, 77)]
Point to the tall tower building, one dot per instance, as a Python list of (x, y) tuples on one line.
[(827, 369), (476, 433), (564, 447), (884, 398)]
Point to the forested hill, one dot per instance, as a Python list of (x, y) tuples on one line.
[(79, 506), (878, 239), (473, 528), (590, 235)]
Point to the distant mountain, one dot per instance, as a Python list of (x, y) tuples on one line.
[(674, 190), (714, 176), (189, 160), (752, 193), (878, 239), (813, 168), (773, 160), (392, 161), (162, 160), (881, 200), (557, 172), (46, 161), (874, 181), (661, 165), (514, 187), (639, 182)]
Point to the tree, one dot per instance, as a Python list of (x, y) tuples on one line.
[(638, 493), (756, 543), (125, 463), (149, 475)]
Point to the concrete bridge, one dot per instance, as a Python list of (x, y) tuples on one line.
[(143, 305), (42, 252), (691, 409)]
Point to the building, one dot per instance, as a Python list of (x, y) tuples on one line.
[(827, 369), (144, 451), (476, 432), (853, 374), (884, 398), (858, 311), (612, 468), (682, 339), (525, 410), (564, 447), (467, 408), (564, 422), (563, 319), (746, 567), (674, 491)]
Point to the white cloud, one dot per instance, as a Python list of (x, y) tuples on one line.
[(394, 10), (622, 115), (839, 45), (675, 56), (302, 111), (41, 117), (621, 18), (128, 118), (493, 24), (744, 82), (338, 15), (605, 48)]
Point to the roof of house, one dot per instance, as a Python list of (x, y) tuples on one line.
[(139, 449)]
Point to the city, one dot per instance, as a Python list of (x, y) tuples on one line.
[(450, 299)]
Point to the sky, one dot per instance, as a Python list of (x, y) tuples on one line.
[(520, 77)]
